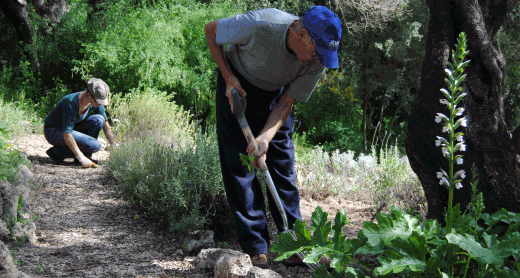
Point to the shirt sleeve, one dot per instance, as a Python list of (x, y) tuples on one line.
[(238, 29), (302, 87), (68, 117), (101, 111)]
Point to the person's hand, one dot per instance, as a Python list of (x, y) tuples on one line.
[(263, 145), (111, 146), (87, 163), (233, 83)]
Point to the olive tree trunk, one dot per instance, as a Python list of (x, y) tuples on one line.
[(489, 146)]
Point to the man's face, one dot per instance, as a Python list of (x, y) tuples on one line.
[(307, 53)]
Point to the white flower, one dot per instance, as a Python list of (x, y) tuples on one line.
[(458, 185), (445, 128), (460, 174), (444, 150), (443, 101), (459, 111), (438, 119), (463, 147), (460, 161), (437, 143), (444, 181), (464, 122), (440, 175), (460, 138)]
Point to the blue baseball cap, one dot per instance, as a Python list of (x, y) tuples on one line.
[(325, 28)]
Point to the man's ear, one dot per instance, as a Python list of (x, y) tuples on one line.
[(300, 34)]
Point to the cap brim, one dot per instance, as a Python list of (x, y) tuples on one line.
[(102, 101), (327, 58)]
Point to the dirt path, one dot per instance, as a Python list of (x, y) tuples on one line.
[(83, 230)]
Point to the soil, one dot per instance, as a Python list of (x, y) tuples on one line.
[(85, 230)]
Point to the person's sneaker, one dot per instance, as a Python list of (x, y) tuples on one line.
[(260, 260), (52, 155)]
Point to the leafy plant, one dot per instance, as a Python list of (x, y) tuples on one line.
[(473, 244), (179, 183), (337, 247), (248, 161)]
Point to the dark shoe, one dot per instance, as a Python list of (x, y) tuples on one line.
[(76, 161), (260, 260), (293, 261), (53, 156)]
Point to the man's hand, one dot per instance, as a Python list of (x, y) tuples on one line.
[(233, 83), (87, 163), (263, 145)]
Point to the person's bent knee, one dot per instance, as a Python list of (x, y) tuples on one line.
[(97, 120)]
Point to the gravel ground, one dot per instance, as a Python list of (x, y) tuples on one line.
[(83, 230)]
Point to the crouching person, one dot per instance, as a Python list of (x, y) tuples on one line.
[(74, 134)]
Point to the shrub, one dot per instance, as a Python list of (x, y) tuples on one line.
[(18, 118), (150, 112), (179, 186), (10, 158), (388, 176), (165, 166)]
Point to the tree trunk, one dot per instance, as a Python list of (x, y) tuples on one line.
[(489, 146), (52, 10), (16, 12)]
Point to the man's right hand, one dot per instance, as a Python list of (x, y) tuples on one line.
[(233, 83), (87, 163)]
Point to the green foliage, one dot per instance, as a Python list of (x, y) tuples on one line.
[(331, 118), (14, 122), (165, 166), (150, 112), (491, 243), (411, 248), (180, 186), (387, 175), (163, 47), (340, 249), (248, 162)]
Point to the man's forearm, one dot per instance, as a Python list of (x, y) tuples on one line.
[(217, 50), (108, 133), (69, 140), (278, 117)]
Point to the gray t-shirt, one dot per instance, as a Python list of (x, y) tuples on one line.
[(257, 49)]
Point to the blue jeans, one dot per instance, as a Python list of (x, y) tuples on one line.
[(85, 133)]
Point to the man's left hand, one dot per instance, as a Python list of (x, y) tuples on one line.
[(263, 145)]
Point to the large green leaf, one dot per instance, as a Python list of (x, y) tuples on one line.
[(399, 263), (320, 226), (504, 216), (288, 246), (337, 230), (430, 228), (493, 255), (395, 225)]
